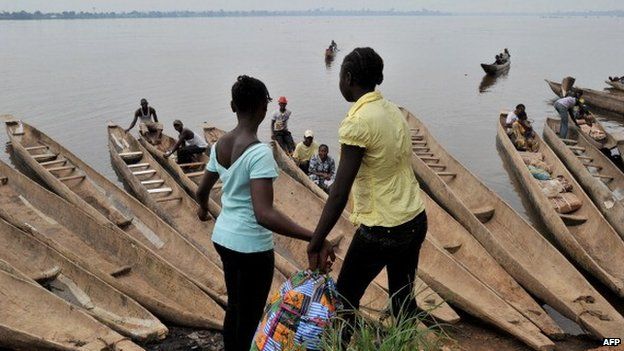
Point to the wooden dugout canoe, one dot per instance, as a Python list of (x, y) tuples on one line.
[(160, 192), (585, 236), (515, 244), (603, 100), (35, 319), (105, 252), (459, 276), (104, 201), (73, 284), (289, 197), (436, 268), (600, 178), (494, 69)]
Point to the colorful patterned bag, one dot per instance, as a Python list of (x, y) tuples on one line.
[(297, 314)]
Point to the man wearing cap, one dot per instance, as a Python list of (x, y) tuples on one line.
[(279, 126), (148, 122), (188, 145), (305, 150)]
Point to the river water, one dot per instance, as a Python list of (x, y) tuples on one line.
[(69, 78)]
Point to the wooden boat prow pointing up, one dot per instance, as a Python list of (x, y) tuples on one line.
[(520, 249), (585, 236)]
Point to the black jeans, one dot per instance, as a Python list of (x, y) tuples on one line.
[(373, 248), (248, 278), (185, 153)]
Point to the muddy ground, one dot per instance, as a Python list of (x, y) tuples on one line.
[(470, 334)]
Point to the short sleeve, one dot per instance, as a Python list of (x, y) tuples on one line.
[(262, 164), (274, 116), (354, 131), (212, 161)]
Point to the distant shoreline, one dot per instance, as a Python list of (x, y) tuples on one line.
[(65, 15)]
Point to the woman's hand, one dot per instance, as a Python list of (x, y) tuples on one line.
[(203, 215), (322, 258)]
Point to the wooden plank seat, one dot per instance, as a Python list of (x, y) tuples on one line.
[(47, 275), (570, 141), (121, 271), (138, 165), (54, 162), (44, 157), (153, 182), (446, 174), (130, 153), (436, 165), (602, 176), (191, 164), (586, 158), (194, 174), (427, 158), (38, 147), (170, 198), (160, 190), (572, 220), (586, 164), (576, 148), (61, 168), (145, 172), (78, 176), (484, 213)]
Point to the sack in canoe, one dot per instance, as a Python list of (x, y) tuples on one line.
[(528, 157), (566, 203), (539, 173), (551, 187), (593, 132), (297, 314)]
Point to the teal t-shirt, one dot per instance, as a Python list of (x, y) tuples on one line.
[(236, 227)]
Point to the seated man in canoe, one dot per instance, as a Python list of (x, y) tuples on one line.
[(523, 134), (148, 123), (305, 150), (617, 79), (188, 145), (512, 117), (322, 168)]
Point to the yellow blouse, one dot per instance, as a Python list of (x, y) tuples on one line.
[(386, 192)]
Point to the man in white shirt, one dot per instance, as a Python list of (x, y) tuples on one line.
[(512, 116), (279, 126)]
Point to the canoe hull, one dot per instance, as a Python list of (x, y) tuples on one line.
[(603, 100), (493, 69)]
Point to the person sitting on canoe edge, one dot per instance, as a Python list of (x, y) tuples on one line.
[(499, 60), (322, 168), (279, 126), (188, 144), (523, 134), (512, 116), (149, 127), (617, 79), (375, 166), (243, 232), (565, 107), (333, 45), (305, 150)]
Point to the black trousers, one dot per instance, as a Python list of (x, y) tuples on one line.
[(285, 139), (373, 248), (185, 153), (248, 278)]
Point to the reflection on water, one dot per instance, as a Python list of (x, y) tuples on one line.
[(490, 79)]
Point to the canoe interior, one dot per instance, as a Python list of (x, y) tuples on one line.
[(73, 284), (600, 178), (583, 234), (64, 327)]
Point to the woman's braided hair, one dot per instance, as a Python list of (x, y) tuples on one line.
[(249, 94), (365, 66)]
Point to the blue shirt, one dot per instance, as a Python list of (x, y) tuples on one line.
[(236, 227)]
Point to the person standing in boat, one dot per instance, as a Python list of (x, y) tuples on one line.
[(322, 168), (243, 234), (305, 150), (565, 107), (149, 126), (188, 145), (375, 166), (279, 126)]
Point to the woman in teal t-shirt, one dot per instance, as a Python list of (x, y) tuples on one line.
[(243, 232)]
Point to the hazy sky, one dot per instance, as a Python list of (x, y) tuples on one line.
[(443, 5)]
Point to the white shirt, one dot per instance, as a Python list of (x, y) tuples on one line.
[(281, 120), (196, 141), (511, 117), (566, 102)]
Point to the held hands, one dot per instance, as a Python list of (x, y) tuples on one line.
[(202, 214), (167, 154), (321, 258)]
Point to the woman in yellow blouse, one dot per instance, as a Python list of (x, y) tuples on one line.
[(375, 164)]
